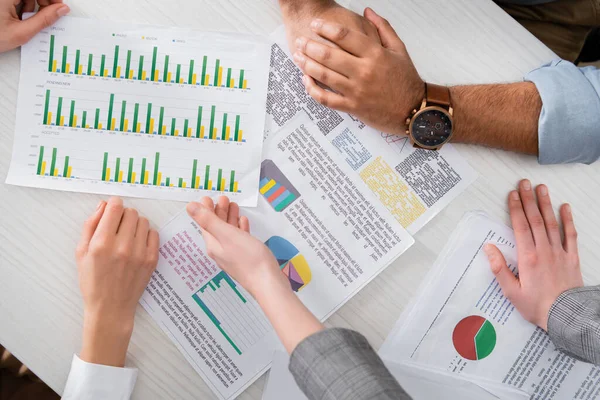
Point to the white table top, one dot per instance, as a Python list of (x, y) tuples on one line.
[(457, 42)]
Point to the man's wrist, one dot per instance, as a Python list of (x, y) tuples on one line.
[(105, 340), (293, 7)]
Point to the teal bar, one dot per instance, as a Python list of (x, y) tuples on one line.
[(110, 111), (104, 166), (128, 65), (46, 108), (77, 55), (216, 80), (117, 169), (123, 110), (58, 111), (224, 130), (116, 62), (90, 59), (51, 57), (199, 123), (64, 60), (241, 82), (191, 74), (166, 72), (156, 161), (141, 68), (40, 160), (72, 113)]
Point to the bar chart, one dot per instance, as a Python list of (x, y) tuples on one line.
[(51, 166)]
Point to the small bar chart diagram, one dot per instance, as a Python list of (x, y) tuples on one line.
[(292, 263), (275, 187), (474, 338)]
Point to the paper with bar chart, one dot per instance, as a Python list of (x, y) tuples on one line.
[(141, 111), (326, 253)]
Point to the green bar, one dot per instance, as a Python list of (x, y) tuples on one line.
[(216, 80), (205, 60), (193, 185), (206, 178), (116, 62), (66, 169), (102, 62), (199, 124), (123, 110), (53, 164), (128, 66), (160, 120), (156, 161), (84, 119), (46, 107), (191, 74), (212, 122), (173, 126), (237, 128), (291, 197), (104, 166), (58, 111), (224, 130), (166, 71), (232, 181), (153, 63), (143, 176), (180, 182), (136, 111), (168, 182), (141, 68), (40, 159), (185, 128), (51, 59), (148, 117), (129, 174), (241, 83), (90, 59), (77, 55), (72, 113), (117, 169), (178, 74), (228, 83), (97, 120), (64, 59), (219, 177), (110, 111)]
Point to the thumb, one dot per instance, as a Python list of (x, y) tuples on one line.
[(508, 282), (43, 19), (209, 221), (389, 37)]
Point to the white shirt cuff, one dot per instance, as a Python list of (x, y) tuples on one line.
[(94, 382)]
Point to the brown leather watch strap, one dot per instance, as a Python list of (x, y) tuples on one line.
[(437, 94)]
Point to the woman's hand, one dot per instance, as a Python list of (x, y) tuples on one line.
[(228, 241), (548, 266), (14, 32), (116, 256)]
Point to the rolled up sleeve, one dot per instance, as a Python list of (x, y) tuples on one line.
[(569, 124)]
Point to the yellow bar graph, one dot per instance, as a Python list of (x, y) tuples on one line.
[(180, 80), (143, 75), (118, 72), (189, 132), (206, 79), (235, 187), (197, 183), (120, 176), (245, 84), (209, 185), (214, 133), (231, 83), (112, 124), (43, 172), (267, 187), (227, 132), (105, 72), (240, 135), (220, 79), (62, 121), (99, 126), (55, 172), (80, 72), (194, 77), (168, 77), (133, 177), (164, 130), (202, 132), (69, 172), (151, 125), (50, 118), (176, 132), (87, 126), (130, 74), (156, 76), (93, 73), (138, 127), (146, 178), (107, 174), (54, 66), (74, 121), (67, 68), (125, 125), (222, 188), (159, 179), (184, 185)]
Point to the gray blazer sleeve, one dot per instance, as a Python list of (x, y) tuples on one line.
[(574, 323), (337, 364)]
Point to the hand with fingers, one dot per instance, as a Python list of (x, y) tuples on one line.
[(116, 256), (548, 265), (14, 32), (376, 81)]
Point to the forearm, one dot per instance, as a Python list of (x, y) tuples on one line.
[(502, 116), (105, 342), (297, 5)]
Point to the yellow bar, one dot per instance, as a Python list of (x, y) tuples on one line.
[(235, 187), (189, 132), (143, 75), (55, 172), (206, 79), (156, 76), (118, 72), (87, 126), (80, 72), (67, 68), (105, 72), (231, 83), (245, 84), (202, 132), (107, 174), (214, 133), (164, 130), (62, 121), (180, 80), (176, 132), (146, 178), (151, 125), (209, 185), (130, 74), (168, 77), (50, 118), (99, 126), (240, 135), (159, 179), (74, 121), (93, 73), (194, 77), (125, 125), (222, 185), (171, 185), (184, 185), (54, 66), (220, 79), (112, 124), (197, 184), (133, 177), (120, 176), (267, 187), (44, 166), (138, 127), (227, 132), (69, 172)]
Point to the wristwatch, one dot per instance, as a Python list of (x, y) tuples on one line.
[(431, 126)]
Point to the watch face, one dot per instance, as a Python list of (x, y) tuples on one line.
[(431, 128)]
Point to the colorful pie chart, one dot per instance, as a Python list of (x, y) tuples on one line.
[(292, 263), (474, 337)]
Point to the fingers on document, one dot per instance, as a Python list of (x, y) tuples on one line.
[(545, 205), (506, 279), (532, 212), (520, 224), (570, 240)]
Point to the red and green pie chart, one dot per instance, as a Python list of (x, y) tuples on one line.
[(474, 338)]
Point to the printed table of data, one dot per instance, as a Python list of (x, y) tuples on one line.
[(141, 111)]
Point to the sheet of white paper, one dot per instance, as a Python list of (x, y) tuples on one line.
[(462, 323), (141, 111), (413, 184), (330, 235)]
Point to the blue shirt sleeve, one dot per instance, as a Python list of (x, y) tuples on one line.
[(569, 124)]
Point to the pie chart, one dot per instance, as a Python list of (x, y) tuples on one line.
[(474, 337), (291, 262)]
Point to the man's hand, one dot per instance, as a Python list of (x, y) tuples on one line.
[(14, 32), (548, 266), (298, 14), (116, 257), (375, 81)]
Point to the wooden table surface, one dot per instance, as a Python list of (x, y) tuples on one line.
[(451, 42)]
